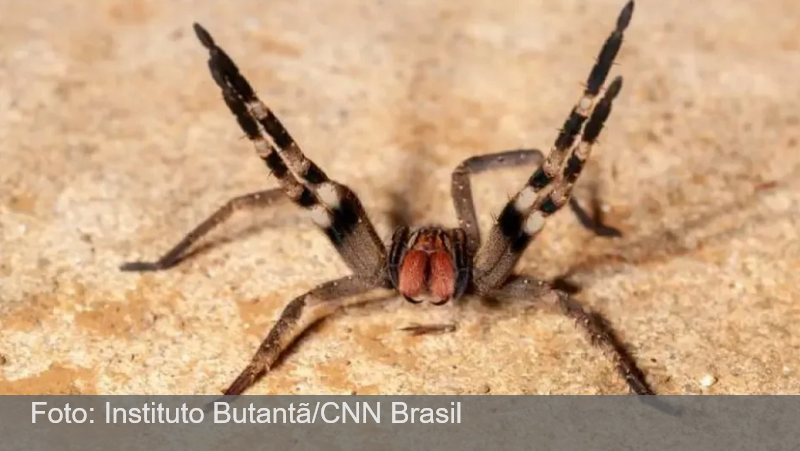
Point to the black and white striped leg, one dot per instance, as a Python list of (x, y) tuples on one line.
[(461, 192), (563, 185), (524, 216), (179, 252), (332, 206), (528, 289), (580, 112)]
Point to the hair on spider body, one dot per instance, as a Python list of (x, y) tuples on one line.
[(432, 263)]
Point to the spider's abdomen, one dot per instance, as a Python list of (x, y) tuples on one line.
[(428, 264)]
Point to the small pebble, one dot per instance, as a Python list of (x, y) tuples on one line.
[(707, 380)]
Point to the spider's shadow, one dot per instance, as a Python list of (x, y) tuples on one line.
[(665, 243)]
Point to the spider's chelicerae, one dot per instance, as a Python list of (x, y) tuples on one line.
[(429, 263)]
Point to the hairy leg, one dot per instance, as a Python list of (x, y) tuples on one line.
[(461, 192), (179, 251), (599, 332), (333, 207), (461, 187), (525, 215), (300, 314), (549, 187)]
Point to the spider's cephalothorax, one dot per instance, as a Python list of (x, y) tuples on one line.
[(429, 263)]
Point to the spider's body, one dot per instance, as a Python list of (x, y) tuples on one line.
[(433, 264)]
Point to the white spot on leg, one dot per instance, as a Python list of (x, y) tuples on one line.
[(297, 161), (262, 147), (329, 195), (258, 109), (534, 223), (293, 191), (585, 104), (525, 199), (320, 216)]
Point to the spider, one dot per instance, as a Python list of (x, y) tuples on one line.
[(429, 263)]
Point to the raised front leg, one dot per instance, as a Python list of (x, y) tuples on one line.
[(332, 206), (461, 191), (549, 188)]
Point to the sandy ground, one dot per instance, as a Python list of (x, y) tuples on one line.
[(115, 142)]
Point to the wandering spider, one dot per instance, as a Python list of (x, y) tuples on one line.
[(429, 263)]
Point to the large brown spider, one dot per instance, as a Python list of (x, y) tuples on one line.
[(429, 263)]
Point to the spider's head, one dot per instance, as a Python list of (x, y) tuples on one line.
[(429, 264)]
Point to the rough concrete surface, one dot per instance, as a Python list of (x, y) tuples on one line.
[(115, 142)]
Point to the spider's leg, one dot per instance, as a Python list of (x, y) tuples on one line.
[(300, 314), (461, 192), (600, 333), (548, 204), (549, 187), (580, 112), (175, 255), (461, 187), (333, 206)]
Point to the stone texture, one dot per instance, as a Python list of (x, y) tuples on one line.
[(115, 142)]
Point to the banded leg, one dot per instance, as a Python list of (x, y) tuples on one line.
[(461, 192), (333, 206), (580, 112), (178, 253), (565, 182), (600, 334), (524, 216), (296, 318)]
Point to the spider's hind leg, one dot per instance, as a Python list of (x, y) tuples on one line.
[(599, 331), (297, 317)]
